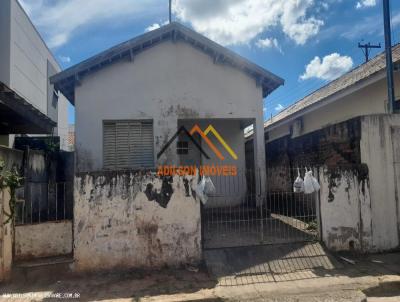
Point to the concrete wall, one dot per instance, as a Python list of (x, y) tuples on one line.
[(361, 205), (360, 180), (5, 10), (377, 145), (165, 83), (12, 158), (345, 204), (121, 222), (43, 240), (6, 237)]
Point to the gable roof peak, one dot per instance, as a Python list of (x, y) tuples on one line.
[(66, 80)]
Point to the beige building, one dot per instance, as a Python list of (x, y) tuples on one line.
[(345, 129)]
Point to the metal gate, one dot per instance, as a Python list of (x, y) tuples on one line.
[(238, 215)]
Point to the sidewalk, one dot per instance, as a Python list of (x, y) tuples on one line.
[(372, 278)]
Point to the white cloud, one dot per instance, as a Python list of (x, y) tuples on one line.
[(329, 68), (269, 43), (396, 20), (65, 59), (365, 3), (232, 22), (155, 26), (279, 107), (59, 20)]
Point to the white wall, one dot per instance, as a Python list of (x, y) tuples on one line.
[(377, 151), (6, 237), (117, 226), (345, 205), (168, 82), (43, 240), (5, 10)]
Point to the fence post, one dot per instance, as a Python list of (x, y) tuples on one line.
[(318, 205)]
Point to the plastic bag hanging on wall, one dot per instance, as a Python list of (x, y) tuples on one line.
[(209, 187), (308, 182), (315, 183), (200, 191), (298, 185)]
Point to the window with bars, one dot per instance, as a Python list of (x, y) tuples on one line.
[(128, 144)]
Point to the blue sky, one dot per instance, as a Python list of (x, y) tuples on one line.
[(306, 42)]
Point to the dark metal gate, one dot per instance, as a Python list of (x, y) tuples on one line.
[(240, 213)]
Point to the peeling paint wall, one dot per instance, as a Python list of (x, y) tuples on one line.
[(13, 159), (127, 219), (377, 145), (346, 209), (6, 237), (43, 240)]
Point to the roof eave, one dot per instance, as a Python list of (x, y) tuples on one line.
[(66, 80), (327, 100)]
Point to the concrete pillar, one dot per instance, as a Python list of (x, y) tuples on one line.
[(259, 157)]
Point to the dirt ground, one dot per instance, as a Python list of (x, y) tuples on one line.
[(370, 278)]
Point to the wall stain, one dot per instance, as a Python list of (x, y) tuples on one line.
[(164, 196)]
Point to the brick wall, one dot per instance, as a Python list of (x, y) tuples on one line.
[(334, 146)]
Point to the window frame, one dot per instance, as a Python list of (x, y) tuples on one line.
[(182, 150), (116, 121)]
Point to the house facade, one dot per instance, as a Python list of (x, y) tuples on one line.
[(346, 131), (168, 98)]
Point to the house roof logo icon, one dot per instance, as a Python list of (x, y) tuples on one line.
[(204, 136)]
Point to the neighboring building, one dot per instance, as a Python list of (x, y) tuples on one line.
[(130, 102), (29, 104), (71, 138), (345, 129)]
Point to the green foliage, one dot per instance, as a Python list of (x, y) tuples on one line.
[(11, 180), (51, 146), (312, 226)]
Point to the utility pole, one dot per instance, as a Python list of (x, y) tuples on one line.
[(170, 11), (388, 50), (366, 47)]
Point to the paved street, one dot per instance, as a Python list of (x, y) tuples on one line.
[(304, 274)]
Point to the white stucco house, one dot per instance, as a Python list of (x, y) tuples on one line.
[(130, 101)]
